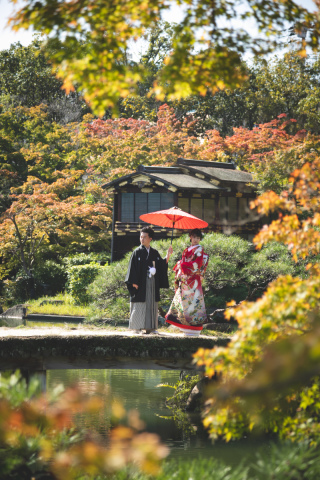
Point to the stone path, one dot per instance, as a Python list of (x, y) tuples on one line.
[(81, 331)]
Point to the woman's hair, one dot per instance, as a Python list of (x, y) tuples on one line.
[(196, 232), (148, 230)]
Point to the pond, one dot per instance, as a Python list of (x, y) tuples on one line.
[(137, 389)]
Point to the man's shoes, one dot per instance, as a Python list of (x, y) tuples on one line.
[(137, 332), (154, 332)]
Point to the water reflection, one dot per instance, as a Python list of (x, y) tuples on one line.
[(137, 389)]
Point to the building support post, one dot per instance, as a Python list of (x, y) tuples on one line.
[(113, 222)]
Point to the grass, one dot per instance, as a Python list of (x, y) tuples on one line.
[(66, 326), (213, 333), (67, 307), (69, 326), (282, 461)]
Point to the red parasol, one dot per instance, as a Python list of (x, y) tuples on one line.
[(173, 218)]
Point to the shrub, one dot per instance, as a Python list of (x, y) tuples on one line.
[(265, 266), (109, 292), (79, 277), (84, 258), (50, 275), (18, 289), (10, 293)]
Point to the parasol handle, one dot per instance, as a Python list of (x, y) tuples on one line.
[(172, 228)]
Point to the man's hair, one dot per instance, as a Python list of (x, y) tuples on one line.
[(196, 232), (148, 230)]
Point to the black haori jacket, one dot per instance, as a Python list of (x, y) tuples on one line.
[(138, 270)]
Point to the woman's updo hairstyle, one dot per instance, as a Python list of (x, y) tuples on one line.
[(196, 232)]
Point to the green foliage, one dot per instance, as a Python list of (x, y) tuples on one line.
[(15, 389), (265, 266), (177, 403), (109, 293), (278, 462), (202, 469), (17, 289), (50, 275), (289, 461), (27, 79), (205, 56), (80, 277), (60, 304), (182, 391), (285, 84), (84, 258), (27, 76), (288, 84)]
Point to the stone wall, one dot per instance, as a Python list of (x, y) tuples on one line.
[(14, 316)]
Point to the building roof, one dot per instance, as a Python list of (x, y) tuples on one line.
[(186, 181), (225, 172), (185, 175), (223, 175), (206, 163), (173, 181)]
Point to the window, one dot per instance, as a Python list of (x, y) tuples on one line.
[(233, 209), (183, 203), (127, 207), (167, 200), (243, 208), (140, 205), (223, 208), (154, 203), (196, 207), (135, 204), (204, 208), (209, 210)]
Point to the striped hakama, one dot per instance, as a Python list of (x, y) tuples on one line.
[(144, 315)]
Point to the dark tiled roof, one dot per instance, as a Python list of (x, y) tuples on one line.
[(186, 181), (222, 174), (189, 174), (180, 180), (147, 169), (205, 163)]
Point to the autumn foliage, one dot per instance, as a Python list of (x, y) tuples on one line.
[(271, 150), (51, 217), (127, 143)]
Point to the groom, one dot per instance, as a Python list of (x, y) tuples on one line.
[(147, 273)]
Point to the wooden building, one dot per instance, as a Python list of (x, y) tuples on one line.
[(216, 192)]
